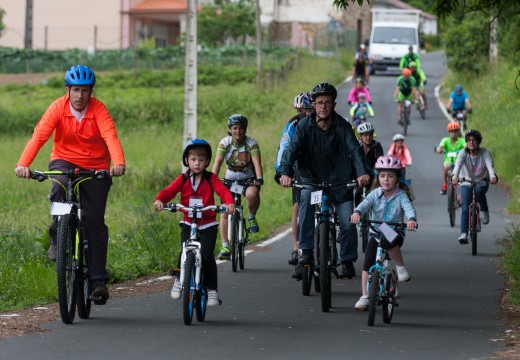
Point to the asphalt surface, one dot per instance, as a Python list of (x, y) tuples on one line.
[(449, 310)]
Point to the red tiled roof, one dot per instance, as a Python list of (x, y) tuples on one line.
[(161, 6)]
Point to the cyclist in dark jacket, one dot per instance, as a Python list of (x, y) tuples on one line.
[(324, 148)]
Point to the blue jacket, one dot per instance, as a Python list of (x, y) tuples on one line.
[(389, 210)]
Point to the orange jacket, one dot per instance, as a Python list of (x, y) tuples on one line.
[(89, 144)]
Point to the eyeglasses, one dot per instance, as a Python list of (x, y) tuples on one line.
[(323, 104)]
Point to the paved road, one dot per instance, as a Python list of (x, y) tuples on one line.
[(449, 310)]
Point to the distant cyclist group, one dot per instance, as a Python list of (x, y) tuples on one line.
[(318, 148)]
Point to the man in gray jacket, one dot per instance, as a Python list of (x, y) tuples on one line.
[(325, 149)]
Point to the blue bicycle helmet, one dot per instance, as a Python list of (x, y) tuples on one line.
[(306, 102), (195, 143), (458, 87), (80, 75), (237, 119)]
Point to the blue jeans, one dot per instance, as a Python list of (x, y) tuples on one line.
[(347, 231), (466, 198)]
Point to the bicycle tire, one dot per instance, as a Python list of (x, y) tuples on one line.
[(364, 233), (66, 238), (242, 246), (201, 302), (473, 229), (373, 296), (406, 121), (84, 302), (188, 289), (388, 302), (307, 273), (324, 266), (234, 241), (451, 203)]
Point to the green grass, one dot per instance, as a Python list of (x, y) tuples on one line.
[(150, 128)]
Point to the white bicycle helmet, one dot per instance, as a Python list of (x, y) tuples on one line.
[(364, 128), (298, 101), (398, 137)]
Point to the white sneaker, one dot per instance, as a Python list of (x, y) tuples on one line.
[(463, 238), (176, 290), (485, 217), (362, 303), (213, 299), (402, 273)]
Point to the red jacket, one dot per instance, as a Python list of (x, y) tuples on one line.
[(204, 192), (89, 144)]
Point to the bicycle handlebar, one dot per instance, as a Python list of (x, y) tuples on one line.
[(72, 173), (324, 185), (173, 207), (471, 181)]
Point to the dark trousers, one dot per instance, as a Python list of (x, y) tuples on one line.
[(208, 238), (94, 195)]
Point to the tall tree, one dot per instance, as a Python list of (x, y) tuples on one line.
[(2, 26)]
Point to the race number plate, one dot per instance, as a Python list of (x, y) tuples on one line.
[(237, 189), (452, 154), (316, 197), (59, 208)]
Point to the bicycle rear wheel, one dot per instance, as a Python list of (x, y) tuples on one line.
[(307, 275), (201, 301), (67, 229), (83, 287), (233, 240), (452, 198), (324, 266), (422, 108), (373, 295), (473, 228), (388, 301), (242, 246), (406, 121), (188, 289)]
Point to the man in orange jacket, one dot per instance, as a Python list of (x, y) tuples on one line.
[(84, 137)]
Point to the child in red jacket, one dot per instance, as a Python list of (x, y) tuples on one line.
[(198, 185)]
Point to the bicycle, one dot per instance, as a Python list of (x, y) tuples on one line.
[(194, 293), (325, 250), (238, 231), (474, 214), (460, 117), (452, 190), (72, 246), (382, 282), (406, 116), (364, 229), (420, 105)]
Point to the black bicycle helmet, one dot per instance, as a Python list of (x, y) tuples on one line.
[(237, 119), (80, 75), (195, 143), (323, 89), (474, 133)]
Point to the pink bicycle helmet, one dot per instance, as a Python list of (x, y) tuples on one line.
[(388, 162)]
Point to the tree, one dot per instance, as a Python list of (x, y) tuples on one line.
[(2, 26), (226, 20)]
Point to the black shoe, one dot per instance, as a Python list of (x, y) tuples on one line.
[(306, 258), (100, 294), (347, 270), (298, 272), (293, 260)]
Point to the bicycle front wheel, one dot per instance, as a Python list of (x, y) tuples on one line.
[(65, 260), (373, 295), (242, 245), (452, 198), (324, 266), (201, 301), (406, 121), (83, 287), (188, 289), (234, 241), (364, 232), (388, 302), (473, 228)]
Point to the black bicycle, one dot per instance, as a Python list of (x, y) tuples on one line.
[(325, 250), (72, 246)]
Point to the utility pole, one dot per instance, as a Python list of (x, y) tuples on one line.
[(190, 74), (28, 24)]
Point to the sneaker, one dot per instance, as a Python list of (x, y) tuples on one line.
[(293, 260), (444, 189), (485, 217), (51, 253), (253, 225), (362, 303), (463, 238), (298, 272), (213, 299), (402, 274), (100, 293), (224, 253), (176, 289), (347, 270)]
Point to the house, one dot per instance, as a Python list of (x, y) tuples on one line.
[(96, 24), (428, 22)]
